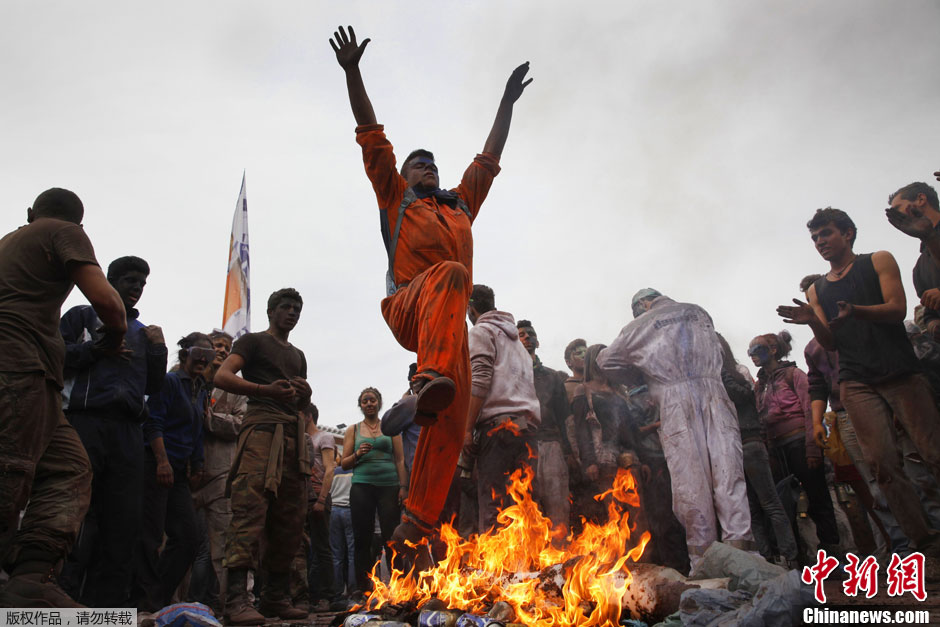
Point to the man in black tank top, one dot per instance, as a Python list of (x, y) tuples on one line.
[(858, 309)]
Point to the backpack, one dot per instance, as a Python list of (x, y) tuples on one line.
[(391, 239)]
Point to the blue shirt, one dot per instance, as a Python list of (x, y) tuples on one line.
[(176, 415), (108, 385)]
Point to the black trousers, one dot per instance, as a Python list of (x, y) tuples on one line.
[(165, 510), (791, 458), (98, 571), (365, 501)]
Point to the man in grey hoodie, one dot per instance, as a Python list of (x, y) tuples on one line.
[(504, 409)]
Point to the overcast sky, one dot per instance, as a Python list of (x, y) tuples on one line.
[(676, 145)]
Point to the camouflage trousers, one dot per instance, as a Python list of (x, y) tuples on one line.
[(42, 462), (261, 516)]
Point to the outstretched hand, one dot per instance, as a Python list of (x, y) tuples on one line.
[(515, 84), (801, 314), (937, 174), (914, 224), (348, 52)]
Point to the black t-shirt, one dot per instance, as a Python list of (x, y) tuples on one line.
[(869, 352), (266, 361)]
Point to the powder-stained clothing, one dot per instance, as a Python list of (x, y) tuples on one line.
[(35, 265), (927, 276), (551, 475), (509, 417), (104, 399), (432, 271), (45, 463), (784, 405), (879, 384), (257, 514), (316, 444), (869, 352), (109, 386), (176, 414), (675, 347), (502, 371), (220, 434), (268, 480), (822, 372)]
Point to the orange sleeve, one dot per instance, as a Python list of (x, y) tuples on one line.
[(378, 156), (476, 181)]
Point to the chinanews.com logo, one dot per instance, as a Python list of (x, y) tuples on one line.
[(904, 576)]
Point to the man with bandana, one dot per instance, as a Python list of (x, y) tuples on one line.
[(430, 250), (675, 346)]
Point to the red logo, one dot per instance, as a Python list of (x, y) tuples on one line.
[(907, 575), (862, 576), (817, 574)]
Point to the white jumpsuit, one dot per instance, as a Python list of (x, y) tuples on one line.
[(675, 346)]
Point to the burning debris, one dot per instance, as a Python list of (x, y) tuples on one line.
[(514, 573)]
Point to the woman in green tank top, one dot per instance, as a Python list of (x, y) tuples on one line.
[(379, 483)]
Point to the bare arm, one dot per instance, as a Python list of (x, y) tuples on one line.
[(227, 379), (104, 299), (819, 433), (496, 140), (348, 53), (892, 290)]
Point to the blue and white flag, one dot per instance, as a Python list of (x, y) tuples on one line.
[(236, 315)]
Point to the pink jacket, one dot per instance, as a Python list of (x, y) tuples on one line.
[(784, 404)]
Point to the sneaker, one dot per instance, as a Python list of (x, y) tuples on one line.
[(35, 590), (434, 395)]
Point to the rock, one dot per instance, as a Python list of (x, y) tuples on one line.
[(654, 593)]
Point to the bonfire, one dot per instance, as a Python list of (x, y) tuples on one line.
[(517, 562)]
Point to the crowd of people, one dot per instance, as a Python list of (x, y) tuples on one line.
[(217, 480)]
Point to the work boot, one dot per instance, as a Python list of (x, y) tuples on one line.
[(434, 395), (35, 587), (411, 547), (275, 599), (237, 609)]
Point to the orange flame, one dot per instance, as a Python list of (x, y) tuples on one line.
[(516, 561)]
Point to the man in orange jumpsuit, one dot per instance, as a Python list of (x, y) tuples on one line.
[(430, 249)]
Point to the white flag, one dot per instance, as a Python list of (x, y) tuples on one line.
[(236, 315)]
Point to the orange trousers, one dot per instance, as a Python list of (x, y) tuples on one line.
[(428, 316)]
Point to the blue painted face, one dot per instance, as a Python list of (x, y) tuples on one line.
[(759, 354)]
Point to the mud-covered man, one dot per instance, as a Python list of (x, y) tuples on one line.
[(269, 474), (42, 460)]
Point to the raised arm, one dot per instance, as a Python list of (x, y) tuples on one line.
[(348, 53), (496, 140), (105, 300)]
